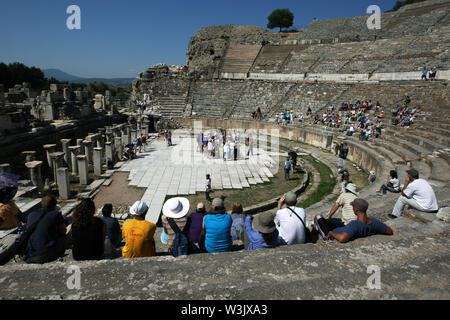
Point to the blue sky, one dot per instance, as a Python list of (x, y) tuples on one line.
[(120, 38)]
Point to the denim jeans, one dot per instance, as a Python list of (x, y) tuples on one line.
[(385, 188)]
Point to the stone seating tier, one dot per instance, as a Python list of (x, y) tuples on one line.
[(239, 58), (271, 58), (259, 94), (410, 20), (405, 54), (211, 99)]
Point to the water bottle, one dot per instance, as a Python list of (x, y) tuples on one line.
[(108, 248)]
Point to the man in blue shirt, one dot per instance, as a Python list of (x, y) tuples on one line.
[(360, 228)]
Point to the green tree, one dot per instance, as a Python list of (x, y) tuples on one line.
[(280, 18)]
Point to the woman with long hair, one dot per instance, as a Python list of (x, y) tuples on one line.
[(392, 184), (88, 232)]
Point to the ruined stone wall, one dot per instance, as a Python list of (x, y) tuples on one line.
[(13, 145), (160, 80)]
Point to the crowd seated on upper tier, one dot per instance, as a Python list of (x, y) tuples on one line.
[(356, 118)]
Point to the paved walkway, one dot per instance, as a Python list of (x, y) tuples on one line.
[(181, 170)]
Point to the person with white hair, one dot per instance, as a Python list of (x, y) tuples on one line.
[(138, 233)]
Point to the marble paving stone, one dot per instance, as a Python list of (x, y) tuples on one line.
[(180, 170)]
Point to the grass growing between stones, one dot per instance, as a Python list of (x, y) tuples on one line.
[(326, 185)]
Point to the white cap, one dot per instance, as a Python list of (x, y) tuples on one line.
[(139, 208)]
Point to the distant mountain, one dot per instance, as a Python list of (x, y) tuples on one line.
[(63, 76)]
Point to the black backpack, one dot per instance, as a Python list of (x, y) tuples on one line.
[(182, 245)]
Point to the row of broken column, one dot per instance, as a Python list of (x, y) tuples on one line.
[(97, 149)]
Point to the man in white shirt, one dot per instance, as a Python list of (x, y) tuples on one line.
[(291, 230), (417, 193)]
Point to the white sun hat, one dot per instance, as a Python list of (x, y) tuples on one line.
[(176, 208), (139, 208)]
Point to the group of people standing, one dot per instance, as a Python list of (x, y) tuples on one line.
[(222, 144), (431, 74)]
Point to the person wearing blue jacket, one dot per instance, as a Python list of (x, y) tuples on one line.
[(261, 231)]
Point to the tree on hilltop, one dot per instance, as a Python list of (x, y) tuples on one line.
[(280, 18)]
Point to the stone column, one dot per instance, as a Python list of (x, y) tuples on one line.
[(146, 126), (129, 138), (98, 161), (49, 148), (83, 170), (133, 135), (30, 156), (124, 136), (88, 150), (65, 148), (35, 174), (118, 146), (5, 168), (109, 152), (80, 142), (74, 152), (63, 183), (57, 162), (138, 127)]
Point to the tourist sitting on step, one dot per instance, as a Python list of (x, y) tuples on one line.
[(48, 241), (417, 194), (237, 227), (175, 210), (88, 232), (344, 201), (138, 233), (112, 225), (217, 225), (363, 226), (350, 131), (392, 184), (196, 223), (10, 214), (261, 231), (290, 221)]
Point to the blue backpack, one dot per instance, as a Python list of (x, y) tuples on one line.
[(287, 165), (182, 245)]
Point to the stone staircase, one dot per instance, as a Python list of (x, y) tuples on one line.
[(172, 105)]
